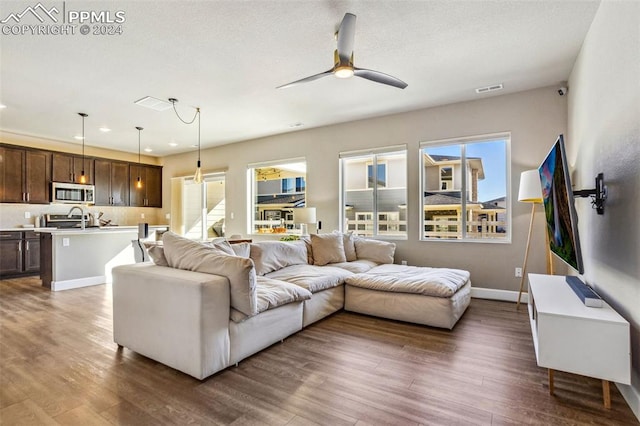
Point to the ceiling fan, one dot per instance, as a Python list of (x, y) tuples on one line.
[(343, 60)]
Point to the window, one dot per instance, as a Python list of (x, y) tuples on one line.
[(276, 189), (464, 189), (374, 192), (200, 212)]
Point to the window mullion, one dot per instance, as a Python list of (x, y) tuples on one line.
[(463, 189), (375, 194)]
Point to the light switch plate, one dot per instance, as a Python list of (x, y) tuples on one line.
[(27, 215)]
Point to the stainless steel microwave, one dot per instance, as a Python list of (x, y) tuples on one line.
[(75, 193)]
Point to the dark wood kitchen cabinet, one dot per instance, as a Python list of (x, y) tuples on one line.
[(68, 168), (112, 183), (19, 253), (150, 195), (24, 175)]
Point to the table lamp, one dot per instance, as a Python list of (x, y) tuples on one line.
[(304, 216)]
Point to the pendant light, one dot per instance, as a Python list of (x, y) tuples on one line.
[(83, 177), (197, 176), (139, 181)]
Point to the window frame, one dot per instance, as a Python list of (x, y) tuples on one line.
[(252, 193), (464, 141), (374, 153)]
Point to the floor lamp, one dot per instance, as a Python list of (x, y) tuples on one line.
[(530, 192)]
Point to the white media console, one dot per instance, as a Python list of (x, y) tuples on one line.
[(569, 336)]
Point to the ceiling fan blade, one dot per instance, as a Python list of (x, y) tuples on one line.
[(379, 77), (346, 35), (306, 79)]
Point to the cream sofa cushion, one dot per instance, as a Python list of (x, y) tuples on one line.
[(273, 293), (182, 253), (357, 266), (241, 249), (375, 250), (327, 248), (270, 256), (313, 278), (156, 252), (349, 241)]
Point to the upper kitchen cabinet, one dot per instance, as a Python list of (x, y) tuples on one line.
[(68, 168), (25, 175), (150, 194), (112, 183)]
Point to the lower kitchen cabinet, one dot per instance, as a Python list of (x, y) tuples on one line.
[(19, 253)]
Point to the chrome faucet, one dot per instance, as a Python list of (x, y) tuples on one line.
[(82, 215)]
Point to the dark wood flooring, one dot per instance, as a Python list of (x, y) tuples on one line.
[(59, 365)]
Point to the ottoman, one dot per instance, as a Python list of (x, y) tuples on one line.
[(430, 296)]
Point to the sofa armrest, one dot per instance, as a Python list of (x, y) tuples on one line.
[(179, 318)]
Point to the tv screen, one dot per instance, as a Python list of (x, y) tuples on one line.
[(559, 208)]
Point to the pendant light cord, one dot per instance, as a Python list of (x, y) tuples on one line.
[(173, 102), (198, 114)]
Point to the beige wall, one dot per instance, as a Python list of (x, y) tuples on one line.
[(534, 118), (604, 136)]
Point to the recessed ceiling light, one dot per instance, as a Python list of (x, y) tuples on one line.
[(2, 106), (294, 125), (147, 149), (78, 137), (104, 129), (173, 144)]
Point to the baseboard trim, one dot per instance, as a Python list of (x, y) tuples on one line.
[(77, 283), (494, 294), (632, 396)]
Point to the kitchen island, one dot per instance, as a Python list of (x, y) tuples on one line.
[(73, 258)]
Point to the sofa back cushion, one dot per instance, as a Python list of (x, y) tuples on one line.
[(375, 250), (327, 248), (182, 253), (269, 256), (349, 241), (241, 249)]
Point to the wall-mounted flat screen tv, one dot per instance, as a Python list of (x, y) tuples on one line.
[(559, 208)]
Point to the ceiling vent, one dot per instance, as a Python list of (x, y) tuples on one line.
[(488, 89), (153, 103)]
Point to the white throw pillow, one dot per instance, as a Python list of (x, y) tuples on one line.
[(182, 253), (349, 247), (269, 256), (327, 248), (375, 250)]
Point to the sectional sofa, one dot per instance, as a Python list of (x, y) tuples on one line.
[(201, 307)]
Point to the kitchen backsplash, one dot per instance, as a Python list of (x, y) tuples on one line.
[(13, 215)]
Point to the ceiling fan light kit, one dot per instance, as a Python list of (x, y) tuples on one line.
[(343, 60)]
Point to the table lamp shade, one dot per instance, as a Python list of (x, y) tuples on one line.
[(304, 215), (530, 187)]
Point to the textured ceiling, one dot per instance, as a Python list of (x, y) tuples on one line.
[(227, 57)]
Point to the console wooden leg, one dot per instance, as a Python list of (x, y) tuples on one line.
[(550, 382), (606, 394)]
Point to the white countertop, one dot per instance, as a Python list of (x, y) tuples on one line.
[(88, 230)]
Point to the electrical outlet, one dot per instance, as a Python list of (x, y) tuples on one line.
[(27, 215), (141, 215), (404, 262), (232, 215), (167, 216), (518, 272), (65, 242)]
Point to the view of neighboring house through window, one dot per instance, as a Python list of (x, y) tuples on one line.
[(277, 188), (203, 207), (374, 192), (464, 187)]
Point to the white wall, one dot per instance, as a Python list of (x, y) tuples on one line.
[(604, 136), (534, 118)]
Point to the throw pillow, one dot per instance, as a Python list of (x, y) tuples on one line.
[(241, 249), (269, 256), (222, 245), (375, 250), (155, 250), (182, 253), (349, 247), (327, 248)]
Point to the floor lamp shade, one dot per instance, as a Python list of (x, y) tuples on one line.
[(530, 187)]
